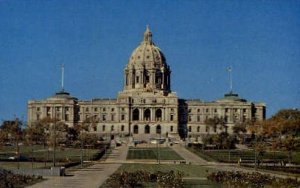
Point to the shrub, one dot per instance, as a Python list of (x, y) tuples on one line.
[(9, 179), (139, 178), (255, 179)]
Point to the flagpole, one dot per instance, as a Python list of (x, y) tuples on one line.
[(230, 79), (62, 76), (229, 70)]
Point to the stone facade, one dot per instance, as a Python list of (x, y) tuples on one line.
[(146, 107)]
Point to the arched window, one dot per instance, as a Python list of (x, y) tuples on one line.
[(136, 129), (147, 115), (135, 114), (147, 129), (158, 115), (158, 129)]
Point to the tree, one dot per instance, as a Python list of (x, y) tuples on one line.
[(81, 129), (241, 128), (53, 130), (215, 122), (284, 122), (11, 131), (35, 133)]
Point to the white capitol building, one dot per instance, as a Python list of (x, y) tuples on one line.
[(146, 106)]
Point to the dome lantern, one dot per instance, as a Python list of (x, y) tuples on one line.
[(148, 36)]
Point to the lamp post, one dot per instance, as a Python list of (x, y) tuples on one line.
[(255, 152), (159, 147), (54, 141), (81, 149)]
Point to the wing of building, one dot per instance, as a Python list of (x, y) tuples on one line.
[(146, 107)]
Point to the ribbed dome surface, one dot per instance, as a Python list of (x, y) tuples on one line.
[(147, 54)]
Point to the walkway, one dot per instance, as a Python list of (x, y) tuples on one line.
[(188, 156), (90, 177)]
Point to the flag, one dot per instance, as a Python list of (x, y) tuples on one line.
[(228, 69)]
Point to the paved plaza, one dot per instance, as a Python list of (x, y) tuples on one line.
[(90, 177)]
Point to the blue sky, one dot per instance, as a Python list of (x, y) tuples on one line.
[(94, 39)]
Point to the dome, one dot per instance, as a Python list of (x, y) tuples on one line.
[(231, 97), (147, 55), (147, 70), (62, 95)]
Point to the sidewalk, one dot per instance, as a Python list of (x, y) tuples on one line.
[(90, 177), (188, 156)]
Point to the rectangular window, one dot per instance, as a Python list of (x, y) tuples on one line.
[(171, 117), (38, 117), (190, 118), (38, 109), (171, 129), (103, 128), (198, 118), (103, 117), (95, 109), (190, 128), (122, 117), (113, 117), (67, 117)]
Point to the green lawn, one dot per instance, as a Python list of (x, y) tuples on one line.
[(14, 165), (164, 153), (233, 156), (43, 157)]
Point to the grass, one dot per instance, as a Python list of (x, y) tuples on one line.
[(14, 165), (233, 156), (41, 154), (43, 157), (164, 153)]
